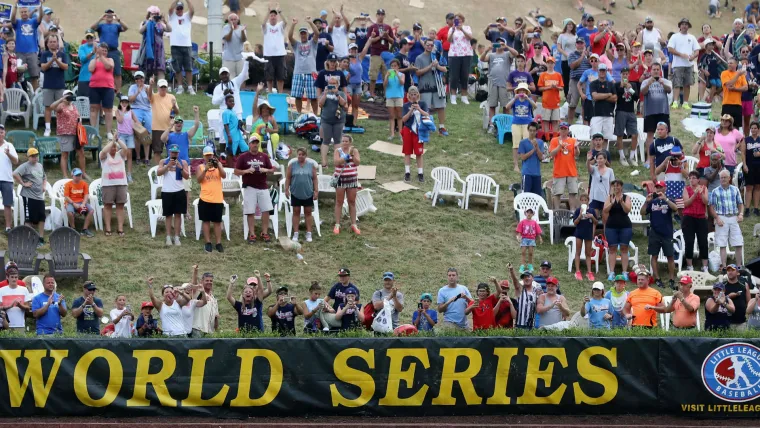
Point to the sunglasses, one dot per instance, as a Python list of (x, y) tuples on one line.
[(593, 60)]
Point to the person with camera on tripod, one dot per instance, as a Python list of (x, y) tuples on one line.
[(211, 203)]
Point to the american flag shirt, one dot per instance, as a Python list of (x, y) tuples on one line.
[(674, 184)]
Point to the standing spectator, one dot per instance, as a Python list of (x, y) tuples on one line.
[(211, 203), (101, 86), (180, 39), (425, 319), (684, 304), (499, 62), (712, 172), (453, 299), (738, 290), (338, 30), (405, 66), (601, 179), (361, 37), (719, 309), (528, 231), (163, 106), (751, 169), (660, 150), (522, 107), (355, 73), (87, 309), (253, 166), (8, 158), (651, 36), (153, 61), (114, 180), (331, 69), (414, 113), (625, 116), (704, 148), (655, 89), (587, 28), (393, 82), (526, 294), (381, 40), (27, 46), (108, 32), (140, 107), (15, 299), (483, 308), (734, 83), (305, 54), (578, 61), (249, 307), (676, 174), (563, 151), (710, 65), (340, 289), (753, 314), (302, 189), (727, 208), (333, 105), (233, 135), (549, 84), (173, 194), (442, 36), (232, 46), (54, 64), (76, 195), (618, 296), (347, 158), (603, 37), (584, 87), (125, 121), (735, 40), (122, 318), (324, 42), (206, 318), (33, 180), (617, 228), (67, 118), (694, 220), (660, 210), (530, 152), (618, 63), (552, 306), (48, 308), (86, 52), (731, 140), (639, 306), (182, 139), (428, 68), (685, 49), (566, 46), (231, 86), (604, 96), (460, 58), (598, 308), (389, 292), (585, 220)]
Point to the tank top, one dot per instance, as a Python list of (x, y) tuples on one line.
[(101, 78), (171, 319), (302, 180), (395, 88), (12, 76), (349, 171), (553, 315), (704, 154), (753, 321), (113, 171), (617, 218), (718, 320), (211, 187), (125, 127), (356, 72), (697, 208)]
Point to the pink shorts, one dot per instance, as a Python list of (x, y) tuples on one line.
[(748, 108)]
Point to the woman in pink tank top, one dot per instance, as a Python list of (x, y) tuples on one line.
[(102, 87)]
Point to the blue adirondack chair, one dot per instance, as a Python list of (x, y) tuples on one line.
[(282, 112), (246, 102), (503, 123)]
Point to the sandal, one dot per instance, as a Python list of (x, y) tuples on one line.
[(120, 233), (108, 233)]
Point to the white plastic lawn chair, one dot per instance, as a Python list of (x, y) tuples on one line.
[(482, 186), (711, 246), (581, 133), (446, 182), (232, 185), (637, 201), (96, 203), (156, 214), (642, 139), (19, 203), (13, 99), (288, 209), (274, 219), (665, 318), (691, 162), (699, 280), (679, 249), (156, 182), (735, 178), (364, 204), (57, 197), (199, 223), (82, 105), (633, 255), (38, 111), (570, 244), (535, 202)]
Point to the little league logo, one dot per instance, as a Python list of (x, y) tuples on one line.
[(732, 372)]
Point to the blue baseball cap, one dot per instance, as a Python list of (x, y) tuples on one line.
[(676, 151), (323, 12), (76, 171), (564, 125), (427, 296), (389, 275), (175, 149), (732, 266), (208, 150)]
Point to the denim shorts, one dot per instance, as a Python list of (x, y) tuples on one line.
[(354, 89), (618, 236), (128, 139), (528, 242)]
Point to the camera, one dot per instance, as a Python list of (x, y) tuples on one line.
[(157, 18), (70, 98), (331, 87)]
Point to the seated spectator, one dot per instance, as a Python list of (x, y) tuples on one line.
[(551, 306), (122, 318), (340, 289), (48, 308), (206, 317), (14, 299), (453, 299), (544, 273), (389, 292), (76, 194), (617, 295), (87, 309), (718, 309), (506, 309), (425, 318), (249, 307), (598, 308), (685, 304), (4, 323), (283, 313), (350, 314), (264, 123), (482, 308), (660, 210), (146, 325), (737, 289), (314, 308), (528, 231), (641, 301), (585, 220)]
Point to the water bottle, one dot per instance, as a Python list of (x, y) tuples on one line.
[(440, 201)]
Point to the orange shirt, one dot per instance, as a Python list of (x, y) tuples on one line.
[(211, 187), (564, 164), (550, 97), (639, 298), (683, 318), (730, 96), (76, 192)]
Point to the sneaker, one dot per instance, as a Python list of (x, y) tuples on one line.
[(522, 269), (530, 267), (686, 106), (326, 329), (590, 276), (274, 90), (756, 212), (453, 100), (371, 99), (190, 90), (625, 276), (308, 236), (624, 162), (546, 160), (659, 283), (672, 284), (407, 177), (176, 241), (674, 106), (219, 248), (168, 241), (251, 239), (207, 247), (129, 178), (491, 130), (47, 133), (421, 178), (646, 165), (443, 132), (633, 162), (7, 230), (336, 229), (746, 212), (465, 100), (689, 268), (267, 239), (180, 91), (611, 276), (88, 234), (705, 269), (355, 229), (295, 236), (578, 275)]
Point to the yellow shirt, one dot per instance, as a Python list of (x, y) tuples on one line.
[(211, 187), (161, 108)]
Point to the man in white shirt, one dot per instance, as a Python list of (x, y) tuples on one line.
[(15, 299), (206, 318), (181, 43), (338, 29), (273, 30), (227, 84), (8, 158), (685, 50), (651, 37)]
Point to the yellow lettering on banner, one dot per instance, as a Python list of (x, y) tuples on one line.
[(32, 375), (449, 375), (143, 377), (194, 399), (247, 356), (596, 374), (396, 375), (115, 378), (534, 373), (505, 356), (345, 373)]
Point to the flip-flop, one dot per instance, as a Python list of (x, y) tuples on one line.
[(120, 233), (108, 233)]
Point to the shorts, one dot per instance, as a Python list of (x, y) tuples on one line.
[(748, 108), (559, 185), (70, 209), (115, 55), (303, 84), (532, 184), (573, 95), (617, 237), (128, 139), (551, 115), (683, 76), (354, 89), (235, 67), (657, 243), (729, 233), (253, 197), (604, 125), (275, 68), (34, 210), (394, 102), (752, 177), (114, 194), (376, 65), (712, 9), (102, 97), (525, 242), (410, 143), (32, 62), (497, 95), (625, 124), (83, 89), (182, 58), (297, 202), (588, 110), (433, 101), (156, 144), (210, 212), (651, 121), (67, 143), (49, 96), (735, 111), (174, 203), (6, 190), (597, 205), (519, 133), (715, 83)]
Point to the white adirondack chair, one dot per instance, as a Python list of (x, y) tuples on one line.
[(581, 133), (13, 98), (570, 244), (156, 182), (524, 201), (665, 318), (288, 209), (156, 214), (691, 162), (232, 185), (199, 223), (679, 249), (482, 186), (364, 204), (57, 197), (96, 203), (446, 182), (637, 201)]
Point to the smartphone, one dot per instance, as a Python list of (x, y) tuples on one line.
[(234, 277), (331, 87), (493, 25), (419, 305), (456, 22)]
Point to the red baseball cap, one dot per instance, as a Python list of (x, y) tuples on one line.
[(552, 280), (659, 183), (146, 305), (685, 280)]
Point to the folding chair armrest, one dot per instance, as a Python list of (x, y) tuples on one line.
[(201, 61), (86, 257)]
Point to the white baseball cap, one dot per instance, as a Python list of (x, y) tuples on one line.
[(139, 74), (598, 286), (353, 46), (223, 70), (163, 83)]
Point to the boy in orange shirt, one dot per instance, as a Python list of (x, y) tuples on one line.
[(549, 84), (76, 195)]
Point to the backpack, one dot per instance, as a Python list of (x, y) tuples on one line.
[(369, 315)]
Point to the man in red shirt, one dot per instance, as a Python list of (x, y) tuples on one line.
[(254, 166), (443, 34), (599, 40), (380, 40)]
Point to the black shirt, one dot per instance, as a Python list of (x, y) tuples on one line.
[(249, 316), (603, 108), (284, 320), (626, 100), (321, 82), (740, 301), (404, 60)]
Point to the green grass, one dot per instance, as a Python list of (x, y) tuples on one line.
[(406, 235)]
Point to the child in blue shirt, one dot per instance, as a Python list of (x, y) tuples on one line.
[(231, 129), (598, 308), (618, 295), (425, 318)]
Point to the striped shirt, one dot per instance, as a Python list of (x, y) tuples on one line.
[(578, 72), (526, 308), (726, 201)]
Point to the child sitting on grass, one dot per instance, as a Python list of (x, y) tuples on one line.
[(425, 318), (528, 230)]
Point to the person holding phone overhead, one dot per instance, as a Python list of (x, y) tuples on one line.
[(173, 193)]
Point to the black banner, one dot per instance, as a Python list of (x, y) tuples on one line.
[(409, 376)]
